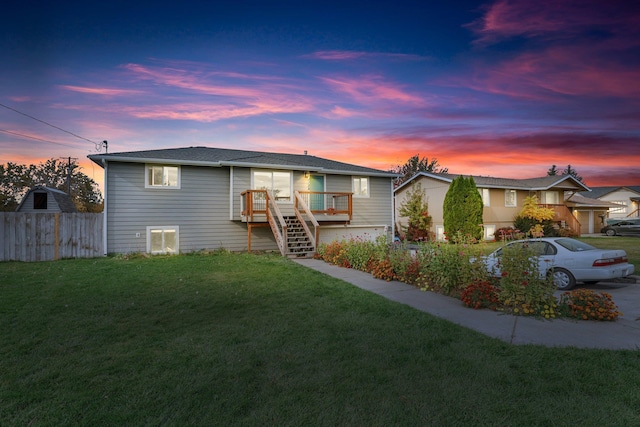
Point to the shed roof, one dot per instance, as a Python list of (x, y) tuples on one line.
[(64, 201), (209, 156)]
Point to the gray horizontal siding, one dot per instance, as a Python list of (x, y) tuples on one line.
[(373, 210), (200, 208)]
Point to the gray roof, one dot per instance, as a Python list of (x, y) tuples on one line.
[(566, 182), (597, 192), (579, 200), (209, 156)]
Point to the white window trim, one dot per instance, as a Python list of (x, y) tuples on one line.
[(551, 194), (147, 184), (288, 201), (486, 201), (515, 198), (353, 187), (489, 231), (163, 228)]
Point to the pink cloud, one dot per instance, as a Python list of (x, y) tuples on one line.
[(573, 71), (100, 90), (371, 89), (552, 18)]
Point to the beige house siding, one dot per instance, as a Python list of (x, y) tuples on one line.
[(496, 215)]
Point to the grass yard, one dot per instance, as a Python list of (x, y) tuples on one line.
[(254, 340)]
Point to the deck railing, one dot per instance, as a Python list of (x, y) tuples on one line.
[(564, 217), (262, 202), (329, 203)]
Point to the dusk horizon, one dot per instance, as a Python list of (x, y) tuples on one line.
[(492, 88)]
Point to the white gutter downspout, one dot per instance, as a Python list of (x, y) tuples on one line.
[(393, 213), (104, 210), (230, 193)]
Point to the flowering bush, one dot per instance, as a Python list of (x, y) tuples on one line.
[(359, 251), (445, 268), (334, 253), (449, 267), (405, 265), (522, 290), (480, 294), (507, 233), (382, 269), (587, 304)]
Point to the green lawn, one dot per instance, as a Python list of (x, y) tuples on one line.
[(256, 340)]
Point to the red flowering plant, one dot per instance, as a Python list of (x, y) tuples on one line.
[(481, 294), (586, 304)]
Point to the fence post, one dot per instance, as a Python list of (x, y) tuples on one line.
[(56, 236)]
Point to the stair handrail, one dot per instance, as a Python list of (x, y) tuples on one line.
[(300, 203), (279, 227), (563, 213)]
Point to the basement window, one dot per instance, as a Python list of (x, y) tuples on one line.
[(162, 240)]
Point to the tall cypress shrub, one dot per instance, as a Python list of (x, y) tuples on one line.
[(463, 210)]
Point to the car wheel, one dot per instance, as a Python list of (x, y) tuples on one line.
[(611, 232), (563, 279)]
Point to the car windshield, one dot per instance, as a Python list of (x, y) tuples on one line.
[(574, 245)]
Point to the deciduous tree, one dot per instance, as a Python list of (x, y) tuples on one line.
[(414, 165), (17, 179)]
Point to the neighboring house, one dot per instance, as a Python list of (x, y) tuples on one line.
[(590, 213), (189, 199), (41, 199), (503, 199), (626, 199)]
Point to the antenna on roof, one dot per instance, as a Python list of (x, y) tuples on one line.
[(305, 152)]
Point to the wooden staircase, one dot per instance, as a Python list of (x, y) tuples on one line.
[(297, 242)]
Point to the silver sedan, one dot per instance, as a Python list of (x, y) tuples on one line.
[(569, 260)]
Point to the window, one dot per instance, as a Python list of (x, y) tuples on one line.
[(489, 231), (550, 197), (510, 198), (279, 183), (162, 240), (360, 186), (162, 176), (39, 200), (484, 192), (621, 210)]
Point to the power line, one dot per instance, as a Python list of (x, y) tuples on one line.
[(49, 124), (33, 137)]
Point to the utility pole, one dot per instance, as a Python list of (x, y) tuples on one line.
[(69, 174)]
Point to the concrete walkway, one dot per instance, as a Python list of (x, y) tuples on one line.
[(624, 333)]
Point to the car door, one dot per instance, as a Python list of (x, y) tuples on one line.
[(628, 227)]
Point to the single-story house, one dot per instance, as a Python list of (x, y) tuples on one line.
[(42, 199), (626, 199), (198, 198), (503, 199)]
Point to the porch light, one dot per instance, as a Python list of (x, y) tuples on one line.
[(306, 174)]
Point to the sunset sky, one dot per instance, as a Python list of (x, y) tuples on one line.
[(499, 88)]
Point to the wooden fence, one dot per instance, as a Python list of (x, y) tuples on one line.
[(50, 236)]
